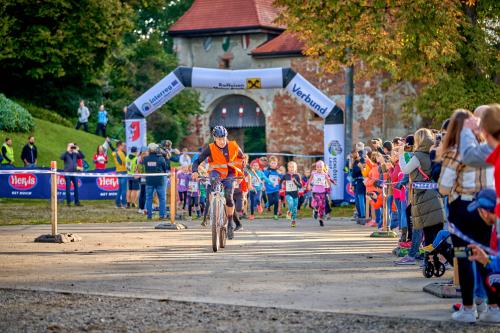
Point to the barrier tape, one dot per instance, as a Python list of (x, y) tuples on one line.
[(83, 174), (455, 231), (425, 186)]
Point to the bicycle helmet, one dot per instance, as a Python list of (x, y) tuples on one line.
[(219, 132)]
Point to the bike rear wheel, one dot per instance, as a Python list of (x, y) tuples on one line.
[(214, 219)]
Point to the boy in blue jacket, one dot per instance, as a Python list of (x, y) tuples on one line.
[(273, 180)]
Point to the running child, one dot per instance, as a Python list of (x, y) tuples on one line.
[(273, 179), (193, 196), (319, 185), (257, 178), (292, 184), (183, 178)]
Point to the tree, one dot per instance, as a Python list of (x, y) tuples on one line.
[(434, 42)]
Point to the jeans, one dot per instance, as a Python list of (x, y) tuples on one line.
[(101, 128), (85, 126), (378, 217), (121, 196), (293, 203), (360, 205), (392, 217), (160, 191), (69, 180), (416, 238), (401, 206), (142, 197), (254, 200)]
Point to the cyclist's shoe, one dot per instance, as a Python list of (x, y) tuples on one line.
[(275, 217), (321, 223), (293, 224), (230, 232), (238, 227)]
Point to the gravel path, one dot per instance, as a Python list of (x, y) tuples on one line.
[(34, 311)]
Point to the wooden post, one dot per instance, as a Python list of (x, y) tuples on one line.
[(172, 195), (367, 208), (456, 281), (53, 196)]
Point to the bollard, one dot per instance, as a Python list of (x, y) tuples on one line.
[(172, 225), (55, 236), (53, 196), (386, 233)]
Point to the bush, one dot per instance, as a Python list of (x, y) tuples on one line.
[(45, 114), (13, 117)]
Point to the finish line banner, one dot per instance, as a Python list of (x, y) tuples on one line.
[(33, 185)]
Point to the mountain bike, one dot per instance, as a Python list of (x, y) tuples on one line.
[(217, 210)]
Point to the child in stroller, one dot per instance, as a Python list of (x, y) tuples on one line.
[(433, 266)]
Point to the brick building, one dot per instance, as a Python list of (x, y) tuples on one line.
[(241, 34)]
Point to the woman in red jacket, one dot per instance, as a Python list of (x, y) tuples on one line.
[(100, 158)]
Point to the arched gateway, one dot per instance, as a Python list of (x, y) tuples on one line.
[(269, 78)]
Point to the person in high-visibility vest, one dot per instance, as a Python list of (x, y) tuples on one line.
[(7, 154), (133, 182), (225, 160)]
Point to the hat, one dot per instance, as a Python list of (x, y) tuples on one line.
[(153, 146), (133, 150), (485, 199), (410, 140)]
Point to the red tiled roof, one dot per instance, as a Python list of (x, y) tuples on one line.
[(213, 15), (286, 43)]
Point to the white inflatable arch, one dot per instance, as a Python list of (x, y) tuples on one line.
[(268, 78)]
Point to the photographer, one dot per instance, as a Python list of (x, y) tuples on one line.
[(167, 152), (70, 158), (154, 162)]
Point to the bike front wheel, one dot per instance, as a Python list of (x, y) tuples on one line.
[(214, 219)]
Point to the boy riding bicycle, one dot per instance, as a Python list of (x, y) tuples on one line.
[(225, 160)]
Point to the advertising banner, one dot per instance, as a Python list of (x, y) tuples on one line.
[(237, 79), (159, 94), (135, 131), (334, 158), (37, 186), (310, 96)]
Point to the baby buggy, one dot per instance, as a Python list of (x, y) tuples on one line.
[(432, 263)]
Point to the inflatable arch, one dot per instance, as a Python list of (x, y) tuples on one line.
[(268, 78)]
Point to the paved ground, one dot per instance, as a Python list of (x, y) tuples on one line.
[(337, 268)]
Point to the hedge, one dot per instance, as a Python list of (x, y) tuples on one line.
[(13, 117)]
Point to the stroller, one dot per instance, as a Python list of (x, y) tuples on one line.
[(440, 246)]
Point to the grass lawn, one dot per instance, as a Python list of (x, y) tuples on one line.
[(34, 211), (51, 141)]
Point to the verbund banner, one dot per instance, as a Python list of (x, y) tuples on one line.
[(310, 96), (37, 186)]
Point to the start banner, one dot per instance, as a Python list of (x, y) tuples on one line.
[(34, 185)]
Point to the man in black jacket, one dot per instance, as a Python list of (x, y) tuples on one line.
[(29, 154), (70, 156)]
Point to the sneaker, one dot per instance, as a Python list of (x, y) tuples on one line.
[(465, 315), (251, 217), (405, 261), (405, 245), (204, 223), (238, 227), (491, 316), (321, 224), (315, 215), (260, 209), (118, 207), (293, 224), (371, 223), (428, 248), (140, 211), (328, 217), (289, 215), (275, 217), (128, 205), (481, 305)]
